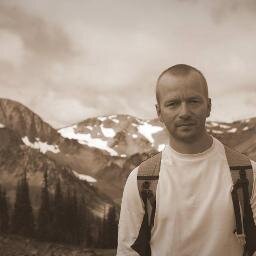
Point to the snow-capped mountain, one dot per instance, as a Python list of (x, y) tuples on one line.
[(20, 151), (39, 135), (240, 135), (118, 135), (124, 136), (103, 150)]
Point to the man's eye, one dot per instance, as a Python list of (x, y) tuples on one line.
[(194, 101), (172, 104)]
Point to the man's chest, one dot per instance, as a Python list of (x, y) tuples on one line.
[(194, 194)]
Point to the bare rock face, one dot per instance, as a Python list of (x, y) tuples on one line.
[(25, 122)]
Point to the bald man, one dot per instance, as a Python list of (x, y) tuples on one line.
[(194, 213)]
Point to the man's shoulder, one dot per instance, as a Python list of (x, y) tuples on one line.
[(151, 165), (234, 157)]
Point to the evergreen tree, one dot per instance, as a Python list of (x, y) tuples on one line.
[(4, 211), (84, 235), (58, 225), (103, 230), (44, 215), (23, 219), (68, 217), (98, 239), (110, 229), (74, 217)]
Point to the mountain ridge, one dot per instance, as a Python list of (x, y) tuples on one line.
[(106, 147)]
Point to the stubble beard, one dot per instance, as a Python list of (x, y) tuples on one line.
[(187, 137)]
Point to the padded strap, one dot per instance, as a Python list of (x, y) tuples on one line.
[(147, 178), (148, 175), (242, 176), (237, 162)]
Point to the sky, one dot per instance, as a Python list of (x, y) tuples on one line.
[(71, 60)]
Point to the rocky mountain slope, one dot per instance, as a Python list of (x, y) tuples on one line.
[(20, 152), (130, 140), (103, 150), (38, 134)]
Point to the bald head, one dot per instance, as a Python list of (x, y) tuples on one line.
[(181, 71)]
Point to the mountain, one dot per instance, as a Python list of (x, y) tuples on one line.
[(130, 140), (104, 149), (123, 135), (30, 144), (38, 134), (240, 135)]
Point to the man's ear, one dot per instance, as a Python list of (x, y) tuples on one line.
[(158, 110), (209, 106)]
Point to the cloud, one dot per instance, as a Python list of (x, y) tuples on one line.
[(105, 56), (12, 49), (41, 39), (223, 10), (33, 44)]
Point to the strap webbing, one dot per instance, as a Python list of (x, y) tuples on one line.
[(242, 177)]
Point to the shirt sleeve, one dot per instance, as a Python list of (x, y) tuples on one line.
[(131, 216), (253, 198)]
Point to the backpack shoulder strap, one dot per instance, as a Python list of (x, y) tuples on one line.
[(242, 176), (239, 163), (147, 179)]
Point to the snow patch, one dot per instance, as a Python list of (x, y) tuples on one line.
[(214, 124), (232, 130), (42, 146), (224, 126), (87, 178), (86, 139), (135, 136), (245, 128), (2, 125), (89, 127), (147, 130), (161, 147), (123, 155), (108, 132), (102, 118), (217, 131), (115, 121)]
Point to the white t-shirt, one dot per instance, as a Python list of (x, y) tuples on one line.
[(194, 210)]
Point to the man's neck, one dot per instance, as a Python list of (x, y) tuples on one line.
[(192, 147)]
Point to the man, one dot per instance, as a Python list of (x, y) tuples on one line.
[(194, 213)]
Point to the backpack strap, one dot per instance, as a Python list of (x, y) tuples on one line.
[(242, 177), (147, 179)]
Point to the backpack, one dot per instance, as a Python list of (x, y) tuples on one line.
[(242, 176)]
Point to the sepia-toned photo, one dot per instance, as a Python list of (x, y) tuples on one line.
[(127, 128)]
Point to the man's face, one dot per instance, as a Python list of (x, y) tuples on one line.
[(183, 106)]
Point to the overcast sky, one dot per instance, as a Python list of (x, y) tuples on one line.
[(70, 60)]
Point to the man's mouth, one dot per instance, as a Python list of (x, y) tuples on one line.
[(185, 124)]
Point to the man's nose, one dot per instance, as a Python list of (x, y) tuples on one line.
[(184, 111)]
